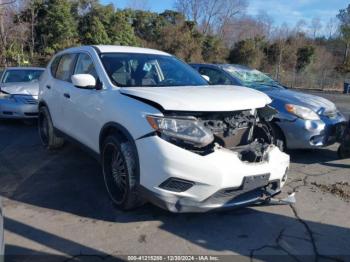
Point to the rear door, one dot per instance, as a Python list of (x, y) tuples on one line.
[(60, 83)]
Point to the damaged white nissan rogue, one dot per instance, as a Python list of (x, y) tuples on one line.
[(160, 132)]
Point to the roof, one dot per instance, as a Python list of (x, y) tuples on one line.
[(128, 49), (115, 49), (24, 68)]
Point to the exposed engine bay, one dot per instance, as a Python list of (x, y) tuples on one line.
[(246, 132)]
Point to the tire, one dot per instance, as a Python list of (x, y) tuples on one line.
[(46, 131), (120, 173)]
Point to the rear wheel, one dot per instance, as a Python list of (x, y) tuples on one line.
[(120, 173), (46, 130)]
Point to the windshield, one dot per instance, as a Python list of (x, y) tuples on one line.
[(252, 78), (147, 70), (21, 75)]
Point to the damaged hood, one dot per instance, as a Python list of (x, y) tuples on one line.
[(27, 88), (201, 98), (316, 103)]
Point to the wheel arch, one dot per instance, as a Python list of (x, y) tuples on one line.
[(276, 126), (116, 129)]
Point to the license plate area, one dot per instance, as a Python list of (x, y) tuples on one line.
[(253, 182)]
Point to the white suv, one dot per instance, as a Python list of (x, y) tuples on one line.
[(160, 132)]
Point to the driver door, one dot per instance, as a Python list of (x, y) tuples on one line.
[(83, 107)]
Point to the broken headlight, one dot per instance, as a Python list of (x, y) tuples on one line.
[(302, 112), (188, 131)]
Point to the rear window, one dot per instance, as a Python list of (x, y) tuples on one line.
[(54, 65), (21, 75)]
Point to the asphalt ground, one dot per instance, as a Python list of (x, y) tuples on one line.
[(55, 204)]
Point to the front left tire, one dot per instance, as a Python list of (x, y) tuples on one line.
[(120, 173)]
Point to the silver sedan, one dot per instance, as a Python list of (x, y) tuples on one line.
[(19, 92)]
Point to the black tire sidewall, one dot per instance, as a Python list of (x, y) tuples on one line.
[(43, 113), (127, 202)]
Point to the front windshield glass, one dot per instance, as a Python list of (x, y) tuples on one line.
[(21, 75), (148, 70), (252, 78)]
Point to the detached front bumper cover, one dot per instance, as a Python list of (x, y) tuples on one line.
[(251, 192)]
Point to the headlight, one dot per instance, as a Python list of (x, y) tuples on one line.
[(302, 112), (189, 131), (6, 96)]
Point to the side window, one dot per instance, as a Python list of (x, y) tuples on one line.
[(65, 66), (216, 77), (54, 65), (85, 66)]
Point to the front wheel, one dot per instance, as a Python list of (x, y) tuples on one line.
[(120, 173)]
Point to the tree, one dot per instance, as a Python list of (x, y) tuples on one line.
[(213, 50), (316, 26), (95, 32), (181, 39), (121, 31), (56, 25), (344, 18), (304, 56), (211, 16), (248, 52), (147, 27), (331, 27), (92, 22)]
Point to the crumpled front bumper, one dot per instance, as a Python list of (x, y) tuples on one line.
[(222, 200), (308, 134), (219, 180), (18, 109)]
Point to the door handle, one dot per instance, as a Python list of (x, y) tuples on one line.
[(66, 95), (48, 87)]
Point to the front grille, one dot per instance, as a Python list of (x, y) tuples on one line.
[(249, 183), (31, 114), (30, 101), (176, 185)]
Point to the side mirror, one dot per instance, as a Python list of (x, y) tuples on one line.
[(85, 81), (207, 78)]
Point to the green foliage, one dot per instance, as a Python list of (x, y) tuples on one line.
[(181, 40), (248, 52), (304, 56), (121, 31), (213, 50), (147, 26), (57, 25), (94, 32)]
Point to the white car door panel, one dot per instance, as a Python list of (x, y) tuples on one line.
[(83, 107)]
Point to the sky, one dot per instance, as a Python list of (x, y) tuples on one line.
[(282, 11)]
